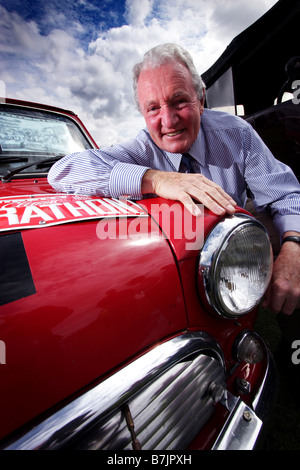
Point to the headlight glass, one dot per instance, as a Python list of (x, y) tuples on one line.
[(235, 266)]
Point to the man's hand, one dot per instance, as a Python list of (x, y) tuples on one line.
[(185, 187), (283, 294)]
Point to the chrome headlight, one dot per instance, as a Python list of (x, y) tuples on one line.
[(235, 265)]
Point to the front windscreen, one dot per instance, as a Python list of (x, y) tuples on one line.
[(30, 135)]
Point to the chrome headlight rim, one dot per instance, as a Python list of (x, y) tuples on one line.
[(214, 247)]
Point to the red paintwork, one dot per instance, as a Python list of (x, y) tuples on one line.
[(87, 316), (26, 186), (198, 313), (98, 303)]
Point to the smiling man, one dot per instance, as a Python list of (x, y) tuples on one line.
[(170, 106), (194, 155), (172, 110)]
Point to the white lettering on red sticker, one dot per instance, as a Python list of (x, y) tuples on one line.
[(35, 211)]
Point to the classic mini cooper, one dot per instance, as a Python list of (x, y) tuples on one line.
[(123, 324)]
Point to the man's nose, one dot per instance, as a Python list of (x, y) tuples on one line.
[(169, 117)]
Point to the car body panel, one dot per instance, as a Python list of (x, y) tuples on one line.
[(66, 326)]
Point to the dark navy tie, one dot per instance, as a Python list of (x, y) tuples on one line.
[(186, 165)]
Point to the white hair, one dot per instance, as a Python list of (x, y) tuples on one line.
[(162, 54)]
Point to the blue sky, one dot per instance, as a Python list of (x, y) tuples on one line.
[(79, 54), (50, 14)]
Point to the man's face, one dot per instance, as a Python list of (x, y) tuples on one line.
[(170, 106)]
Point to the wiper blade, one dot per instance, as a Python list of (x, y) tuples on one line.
[(6, 178), (12, 159)]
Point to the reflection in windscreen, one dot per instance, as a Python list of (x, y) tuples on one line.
[(38, 133)]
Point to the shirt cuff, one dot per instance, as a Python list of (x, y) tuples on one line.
[(126, 180), (287, 223)]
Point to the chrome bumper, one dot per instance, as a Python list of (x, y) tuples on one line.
[(244, 424), (240, 430)]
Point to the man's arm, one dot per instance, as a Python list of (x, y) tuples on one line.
[(187, 187), (283, 294), (109, 172)]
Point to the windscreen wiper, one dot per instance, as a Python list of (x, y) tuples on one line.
[(46, 163), (12, 159)]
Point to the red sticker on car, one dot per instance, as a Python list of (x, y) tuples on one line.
[(36, 211)]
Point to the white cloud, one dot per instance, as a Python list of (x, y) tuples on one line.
[(96, 82), (229, 20), (17, 36), (137, 11)]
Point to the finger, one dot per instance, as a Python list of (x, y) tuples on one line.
[(267, 297), (288, 307), (189, 204), (281, 300), (217, 190), (291, 303), (277, 301), (211, 199)]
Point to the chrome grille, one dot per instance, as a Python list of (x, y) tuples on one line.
[(167, 414), (165, 391)]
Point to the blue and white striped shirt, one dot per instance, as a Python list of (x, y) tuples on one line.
[(227, 151)]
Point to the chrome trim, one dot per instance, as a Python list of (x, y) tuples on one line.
[(167, 414), (57, 430), (217, 239), (241, 429), (244, 423), (263, 398)]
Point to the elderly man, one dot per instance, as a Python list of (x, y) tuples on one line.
[(192, 154)]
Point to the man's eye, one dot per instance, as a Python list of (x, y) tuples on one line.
[(180, 103), (153, 109)]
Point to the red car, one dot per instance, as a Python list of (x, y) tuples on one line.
[(124, 324)]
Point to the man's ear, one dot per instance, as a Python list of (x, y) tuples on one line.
[(202, 102)]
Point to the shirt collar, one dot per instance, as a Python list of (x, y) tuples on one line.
[(197, 151)]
